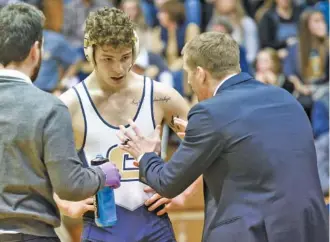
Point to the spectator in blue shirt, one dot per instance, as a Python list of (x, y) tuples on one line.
[(320, 124), (175, 31), (269, 69), (58, 54), (221, 24), (193, 11), (305, 66), (320, 116)]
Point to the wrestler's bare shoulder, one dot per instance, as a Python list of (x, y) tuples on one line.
[(70, 99)]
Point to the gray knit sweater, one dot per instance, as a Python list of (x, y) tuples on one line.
[(37, 158)]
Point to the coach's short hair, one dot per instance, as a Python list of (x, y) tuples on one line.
[(21, 25), (216, 52)]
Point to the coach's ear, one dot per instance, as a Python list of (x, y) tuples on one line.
[(200, 74), (208, 80)]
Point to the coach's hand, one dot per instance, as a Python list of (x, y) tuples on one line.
[(157, 200), (135, 143)]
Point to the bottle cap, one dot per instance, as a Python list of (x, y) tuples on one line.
[(99, 160)]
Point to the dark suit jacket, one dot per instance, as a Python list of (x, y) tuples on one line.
[(254, 145)]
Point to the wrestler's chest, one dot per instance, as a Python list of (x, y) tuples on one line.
[(117, 114)]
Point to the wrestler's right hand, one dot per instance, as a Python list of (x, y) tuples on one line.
[(112, 176), (74, 209), (77, 209)]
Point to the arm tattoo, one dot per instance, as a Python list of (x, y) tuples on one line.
[(156, 99), (162, 99)]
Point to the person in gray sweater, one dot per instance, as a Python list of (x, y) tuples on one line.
[(37, 152)]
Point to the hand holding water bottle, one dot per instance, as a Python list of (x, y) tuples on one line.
[(111, 173)]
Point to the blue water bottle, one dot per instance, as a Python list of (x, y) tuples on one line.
[(104, 201)]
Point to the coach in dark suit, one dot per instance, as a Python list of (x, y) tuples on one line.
[(252, 143)]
